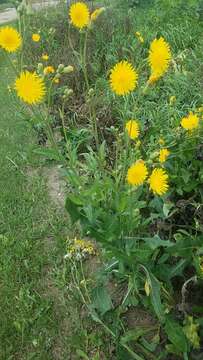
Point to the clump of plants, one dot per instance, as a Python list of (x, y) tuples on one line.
[(136, 191)]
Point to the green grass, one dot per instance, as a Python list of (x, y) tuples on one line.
[(29, 324)]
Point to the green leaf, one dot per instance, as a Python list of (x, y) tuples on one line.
[(156, 242), (50, 154), (101, 299), (82, 354), (73, 210), (175, 334)]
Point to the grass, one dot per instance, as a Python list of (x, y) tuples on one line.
[(29, 323)]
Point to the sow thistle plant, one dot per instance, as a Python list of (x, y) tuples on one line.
[(121, 200)]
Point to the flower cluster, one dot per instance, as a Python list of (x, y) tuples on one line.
[(80, 249)]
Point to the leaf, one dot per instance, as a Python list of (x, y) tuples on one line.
[(50, 154), (101, 299), (155, 295), (73, 210), (82, 354), (156, 242), (133, 335), (177, 269), (175, 334)]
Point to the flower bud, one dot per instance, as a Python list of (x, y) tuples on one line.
[(60, 68), (68, 69)]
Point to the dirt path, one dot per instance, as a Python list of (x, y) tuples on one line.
[(10, 14)]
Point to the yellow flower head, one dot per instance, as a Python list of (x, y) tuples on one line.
[(132, 128), (190, 122), (56, 81), (152, 79), (137, 173), (49, 70), (35, 37), (45, 57), (10, 39), (123, 78), (163, 154), (139, 36), (159, 57), (96, 13), (158, 181), (30, 87), (79, 15)]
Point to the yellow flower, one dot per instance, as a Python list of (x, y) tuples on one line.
[(163, 154), (56, 81), (35, 37), (132, 128), (123, 78), (159, 57), (137, 173), (158, 181), (49, 70), (79, 15), (10, 39), (96, 13), (152, 79), (30, 87), (200, 109), (45, 57), (172, 100), (139, 36), (161, 141), (190, 122)]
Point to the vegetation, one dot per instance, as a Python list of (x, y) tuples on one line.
[(120, 110)]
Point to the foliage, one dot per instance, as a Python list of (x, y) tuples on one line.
[(153, 238)]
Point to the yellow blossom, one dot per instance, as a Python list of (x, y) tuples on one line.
[(79, 15), (123, 78), (56, 80), (35, 37), (161, 141), (137, 173), (10, 39), (132, 128), (30, 87), (158, 181), (45, 57), (159, 58), (190, 122), (163, 154), (200, 109), (49, 70)]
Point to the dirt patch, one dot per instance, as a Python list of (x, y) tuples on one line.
[(56, 186)]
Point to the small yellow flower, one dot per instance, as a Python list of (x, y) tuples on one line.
[(172, 100), (56, 81), (161, 141), (35, 37), (158, 181), (49, 70), (79, 15), (138, 143), (30, 87), (152, 79), (137, 173), (163, 154), (139, 37), (159, 58), (96, 13), (190, 122), (123, 78), (45, 57), (10, 39), (132, 128)]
